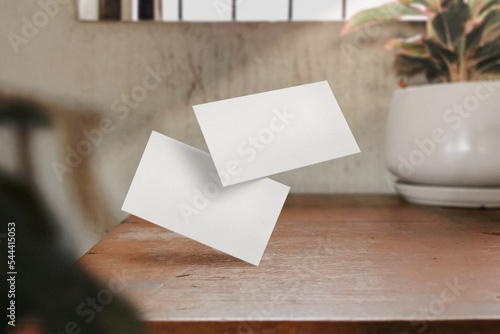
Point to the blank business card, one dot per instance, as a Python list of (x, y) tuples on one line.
[(268, 133), (177, 187)]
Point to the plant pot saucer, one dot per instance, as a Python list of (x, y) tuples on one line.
[(463, 197)]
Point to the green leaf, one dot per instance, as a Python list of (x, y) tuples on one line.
[(486, 13), (494, 68), (473, 39), (492, 29), (390, 12), (411, 3), (446, 3), (490, 65), (449, 25), (487, 50), (462, 36), (408, 46), (406, 65), (440, 53), (435, 6), (409, 65), (480, 6)]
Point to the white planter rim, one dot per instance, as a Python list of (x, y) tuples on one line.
[(443, 85)]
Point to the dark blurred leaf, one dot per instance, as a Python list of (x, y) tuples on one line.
[(449, 24), (474, 37), (492, 30), (20, 111), (480, 5), (484, 6), (446, 3), (439, 52), (409, 66), (493, 67), (488, 49), (487, 63)]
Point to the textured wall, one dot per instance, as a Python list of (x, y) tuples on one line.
[(87, 66)]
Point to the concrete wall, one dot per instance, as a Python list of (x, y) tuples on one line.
[(86, 66)]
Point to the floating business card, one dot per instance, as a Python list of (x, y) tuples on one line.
[(272, 132), (177, 187)]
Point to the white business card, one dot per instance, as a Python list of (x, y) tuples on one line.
[(264, 134), (177, 187)]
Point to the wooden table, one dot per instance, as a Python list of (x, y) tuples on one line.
[(334, 264)]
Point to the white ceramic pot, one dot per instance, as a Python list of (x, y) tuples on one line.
[(446, 135)]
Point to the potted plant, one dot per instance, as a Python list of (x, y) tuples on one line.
[(443, 138)]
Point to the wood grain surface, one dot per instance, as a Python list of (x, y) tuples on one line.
[(331, 261)]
